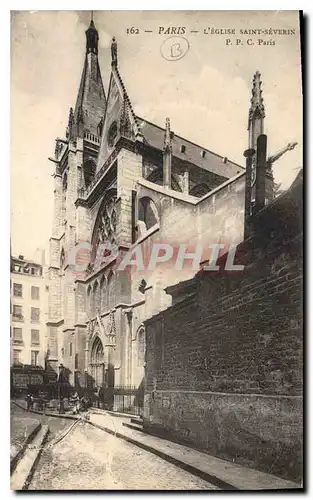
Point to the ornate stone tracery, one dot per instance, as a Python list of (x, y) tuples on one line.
[(107, 227)]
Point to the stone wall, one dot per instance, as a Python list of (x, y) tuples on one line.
[(224, 366)]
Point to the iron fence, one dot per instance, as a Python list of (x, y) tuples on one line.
[(124, 399)]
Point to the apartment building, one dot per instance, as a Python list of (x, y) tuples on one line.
[(29, 307)]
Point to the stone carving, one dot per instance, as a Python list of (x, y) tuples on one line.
[(69, 130), (111, 329), (100, 127), (107, 226)]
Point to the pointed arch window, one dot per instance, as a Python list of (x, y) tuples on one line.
[(97, 362), (89, 171), (105, 229)]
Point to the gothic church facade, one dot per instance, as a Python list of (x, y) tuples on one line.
[(127, 183)]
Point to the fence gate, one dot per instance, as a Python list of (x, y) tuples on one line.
[(124, 399)]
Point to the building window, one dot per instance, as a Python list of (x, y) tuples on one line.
[(47, 288), (17, 290), (35, 337), (17, 335), (89, 170), (182, 148), (35, 292), (36, 271), (34, 358), (35, 315), (16, 356), (71, 349), (203, 154), (17, 313)]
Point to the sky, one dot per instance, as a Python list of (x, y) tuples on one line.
[(206, 93)]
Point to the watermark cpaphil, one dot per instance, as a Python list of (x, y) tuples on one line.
[(144, 257)]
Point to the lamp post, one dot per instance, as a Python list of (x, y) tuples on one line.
[(60, 382)]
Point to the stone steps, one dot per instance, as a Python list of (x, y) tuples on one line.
[(136, 427)]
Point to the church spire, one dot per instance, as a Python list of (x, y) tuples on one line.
[(256, 111), (92, 37), (90, 102)]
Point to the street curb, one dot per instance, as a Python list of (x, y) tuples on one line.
[(48, 414), (20, 453), (29, 473), (114, 413), (189, 468), (33, 466)]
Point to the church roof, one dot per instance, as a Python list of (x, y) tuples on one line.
[(91, 96), (188, 151), (90, 102)]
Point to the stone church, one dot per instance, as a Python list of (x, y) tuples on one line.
[(126, 182)]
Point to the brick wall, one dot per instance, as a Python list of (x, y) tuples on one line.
[(224, 366)]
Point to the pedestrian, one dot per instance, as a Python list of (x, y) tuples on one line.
[(29, 400), (75, 400)]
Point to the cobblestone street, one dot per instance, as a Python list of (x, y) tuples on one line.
[(91, 459)]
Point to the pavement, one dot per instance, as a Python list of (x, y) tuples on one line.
[(215, 472), (221, 473), (90, 459)]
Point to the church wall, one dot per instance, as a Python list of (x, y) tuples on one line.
[(128, 172), (235, 390), (58, 206), (221, 215), (80, 309), (138, 371), (80, 344), (217, 218), (83, 224)]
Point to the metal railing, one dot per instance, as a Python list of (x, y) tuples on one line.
[(124, 399)]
